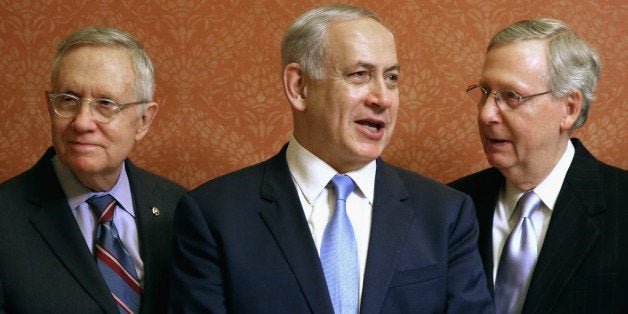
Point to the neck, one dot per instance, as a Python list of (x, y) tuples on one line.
[(528, 175), (99, 182)]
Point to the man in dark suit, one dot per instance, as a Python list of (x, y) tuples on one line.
[(100, 104), (249, 241), (542, 77)]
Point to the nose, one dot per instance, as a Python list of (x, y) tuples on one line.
[(488, 112), (380, 95), (84, 117)]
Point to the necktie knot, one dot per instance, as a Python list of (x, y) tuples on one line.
[(528, 202), (343, 185), (103, 206)]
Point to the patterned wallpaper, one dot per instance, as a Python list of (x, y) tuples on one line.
[(219, 85)]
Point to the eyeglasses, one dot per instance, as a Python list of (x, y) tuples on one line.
[(503, 97), (104, 110)]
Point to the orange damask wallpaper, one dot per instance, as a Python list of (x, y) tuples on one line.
[(219, 85)]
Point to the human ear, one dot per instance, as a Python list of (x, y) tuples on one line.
[(573, 107), (294, 85), (145, 120)]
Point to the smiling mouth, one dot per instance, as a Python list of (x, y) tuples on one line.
[(371, 125)]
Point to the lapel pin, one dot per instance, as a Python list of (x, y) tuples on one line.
[(155, 211)]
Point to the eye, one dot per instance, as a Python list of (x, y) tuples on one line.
[(358, 77), (359, 74), (65, 98), (509, 95), (107, 104), (393, 77), (65, 101)]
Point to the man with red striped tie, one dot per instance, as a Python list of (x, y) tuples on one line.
[(84, 230)]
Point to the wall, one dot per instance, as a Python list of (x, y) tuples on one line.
[(222, 103)]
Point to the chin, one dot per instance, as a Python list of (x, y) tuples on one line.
[(500, 162), (83, 165)]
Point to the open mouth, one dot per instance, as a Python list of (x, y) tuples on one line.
[(373, 126)]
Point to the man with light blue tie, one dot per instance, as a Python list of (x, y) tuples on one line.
[(552, 217), (85, 230), (326, 226)]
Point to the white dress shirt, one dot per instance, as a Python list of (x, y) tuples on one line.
[(311, 177), (123, 217), (504, 221)]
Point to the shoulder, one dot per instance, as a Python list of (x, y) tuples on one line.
[(479, 182), (40, 179), (418, 189), (141, 176), (242, 179)]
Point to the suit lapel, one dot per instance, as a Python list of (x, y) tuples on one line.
[(286, 221), (571, 232), (385, 242), (153, 239), (57, 226)]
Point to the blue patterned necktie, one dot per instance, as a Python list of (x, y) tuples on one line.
[(518, 259), (339, 253), (114, 262)]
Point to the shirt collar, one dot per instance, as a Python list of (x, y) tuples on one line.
[(549, 188), (77, 193), (312, 174)]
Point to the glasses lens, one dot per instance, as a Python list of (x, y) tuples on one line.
[(105, 110), (476, 94), (66, 105), (508, 97)]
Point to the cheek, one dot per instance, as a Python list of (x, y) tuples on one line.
[(58, 126)]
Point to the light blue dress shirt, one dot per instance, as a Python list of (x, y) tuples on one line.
[(123, 217)]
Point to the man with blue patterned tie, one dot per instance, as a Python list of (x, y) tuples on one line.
[(326, 225), (85, 230), (535, 89)]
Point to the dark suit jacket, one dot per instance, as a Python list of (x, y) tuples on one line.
[(243, 245), (45, 264), (579, 268)]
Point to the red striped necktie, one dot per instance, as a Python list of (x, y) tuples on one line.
[(113, 260)]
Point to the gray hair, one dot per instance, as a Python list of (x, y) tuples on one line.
[(304, 40), (144, 86), (574, 64)]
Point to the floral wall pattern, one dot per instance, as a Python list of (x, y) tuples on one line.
[(219, 85)]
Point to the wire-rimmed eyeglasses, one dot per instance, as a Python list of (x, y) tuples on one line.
[(104, 110), (479, 94)]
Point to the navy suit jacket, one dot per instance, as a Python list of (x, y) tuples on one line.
[(582, 265), (45, 264), (243, 245)]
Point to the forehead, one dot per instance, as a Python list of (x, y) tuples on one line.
[(361, 40), (95, 67), (519, 62)]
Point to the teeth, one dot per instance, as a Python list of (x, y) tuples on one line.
[(370, 125)]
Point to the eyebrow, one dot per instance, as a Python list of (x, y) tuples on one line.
[(371, 66)]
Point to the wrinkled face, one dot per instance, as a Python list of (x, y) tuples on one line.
[(350, 114), (88, 147), (526, 139)]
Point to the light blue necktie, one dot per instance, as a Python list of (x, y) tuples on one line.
[(518, 259), (113, 260), (339, 253)]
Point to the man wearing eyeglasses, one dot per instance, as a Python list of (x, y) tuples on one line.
[(85, 230), (561, 249)]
